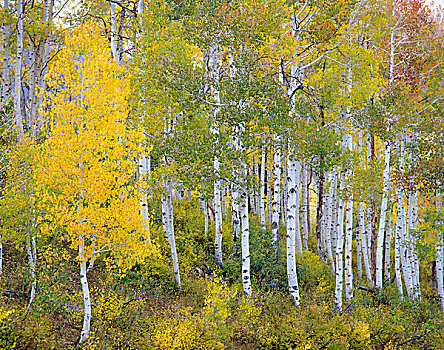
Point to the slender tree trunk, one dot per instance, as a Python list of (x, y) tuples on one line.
[(319, 216), (262, 179), (291, 229), (18, 73), (340, 247), (32, 253), (172, 238), (297, 184), (140, 7), (6, 86), (114, 32), (235, 210), (358, 245), (363, 226), (276, 192), (372, 211), (349, 236), (269, 189), (388, 234), (398, 255), (382, 219), (86, 296), (328, 222), (143, 172), (284, 189), (334, 212), (401, 227), (304, 201), (246, 281)]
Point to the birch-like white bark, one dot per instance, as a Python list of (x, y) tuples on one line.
[(143, 172), (401, 227), (6, 86), (297, 185), (349, 237), (362, 225), (339, 269), (269, 189), (262, 179), (398, 274), (43, 66), (86, 327), (32, 257), (246, 280), (334, 212), (18, 73), (140, 7), (304, 202), (358, 245), (214, 74), (284, 190), (388, 234), (382, 219), (292, 189), (172, 237), (114, 32), (236, 216), (328, 221), (276, 192)]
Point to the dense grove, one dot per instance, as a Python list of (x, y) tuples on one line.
[(221, 174)]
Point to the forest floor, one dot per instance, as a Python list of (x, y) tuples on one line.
[(141, 308)]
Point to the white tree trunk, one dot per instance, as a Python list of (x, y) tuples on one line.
[(401, 227), (32, 259), (363, 226), (284, 190), (388, 234), (217, 218), (304, 201), (18, 72), (114, 49), (86, 296), (398, 255), (358, 246), (6, 86), (269, 189), (276, 192), (382, 219), (340, 247), (329, 220), (236, 217), (144, 168), (349, 237), (292, 189), (297, 185), (140, 7), (246, 281), (262, 180), (334, 212), (172, 238)]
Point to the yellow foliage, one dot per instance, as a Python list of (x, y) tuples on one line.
[(206, 329), (85, 168)]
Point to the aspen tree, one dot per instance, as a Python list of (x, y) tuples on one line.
[(18, 73), (6, 85), (84, 159), (382, 218)]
